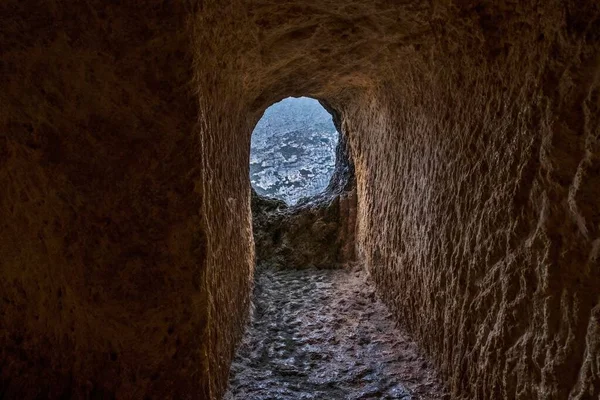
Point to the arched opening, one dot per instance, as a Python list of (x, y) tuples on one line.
[(293, 150), (303, 186), (317, 330)]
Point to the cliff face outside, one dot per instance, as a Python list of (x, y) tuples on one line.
[(126, 250)]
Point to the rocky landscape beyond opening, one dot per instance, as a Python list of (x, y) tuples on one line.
[(292, 152)]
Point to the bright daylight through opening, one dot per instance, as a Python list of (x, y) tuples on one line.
[(292, 154)]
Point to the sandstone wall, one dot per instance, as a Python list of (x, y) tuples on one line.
[(125, 244), (474, 128), (478, 186), (103, 286)]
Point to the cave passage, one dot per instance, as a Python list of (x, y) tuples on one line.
[(292, 153), (464, 185), (324, 334), (317, 330)]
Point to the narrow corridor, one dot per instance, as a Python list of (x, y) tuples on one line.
[(323, 334)]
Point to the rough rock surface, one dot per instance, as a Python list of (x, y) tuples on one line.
[(325, 335), (318, 233), (103, 286), (313, 235), (126, 254)]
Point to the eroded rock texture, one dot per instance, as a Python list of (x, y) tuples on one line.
[(103, 290), (126, 244), (324, 334), (318, 234)]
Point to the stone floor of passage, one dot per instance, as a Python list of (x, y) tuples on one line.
[(324, 334)]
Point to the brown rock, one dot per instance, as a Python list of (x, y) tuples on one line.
[(126, 250)]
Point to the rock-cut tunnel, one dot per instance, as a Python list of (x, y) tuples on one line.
[(126, 243)]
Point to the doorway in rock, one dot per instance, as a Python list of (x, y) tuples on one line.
[(292, 153), (304, 192), (318, 330)]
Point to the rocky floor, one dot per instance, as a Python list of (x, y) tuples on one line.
[(323, 334)]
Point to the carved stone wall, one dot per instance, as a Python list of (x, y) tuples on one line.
[(126, 251)]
